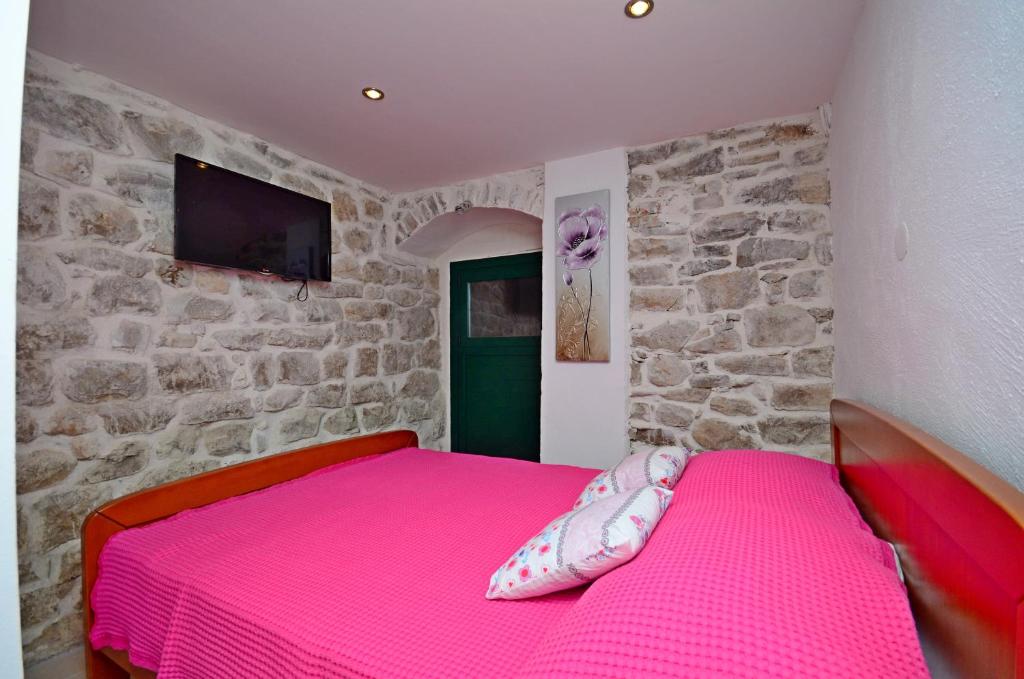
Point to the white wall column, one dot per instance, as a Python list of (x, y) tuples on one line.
[(583, 405)]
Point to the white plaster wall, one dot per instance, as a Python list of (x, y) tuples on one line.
[(928, 131), (12, 71), (493, 241), (583, 405)]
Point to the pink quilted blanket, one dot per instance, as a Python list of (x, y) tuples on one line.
[(761, 567), (377, 568), (372, 568)]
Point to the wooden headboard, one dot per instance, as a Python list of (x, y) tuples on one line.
[(959, 530)]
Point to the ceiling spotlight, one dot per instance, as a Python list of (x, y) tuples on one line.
[(373, 94), (638, 9)]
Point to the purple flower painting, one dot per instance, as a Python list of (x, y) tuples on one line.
[(582, 311)]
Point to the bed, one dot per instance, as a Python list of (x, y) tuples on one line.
[(369, 557)]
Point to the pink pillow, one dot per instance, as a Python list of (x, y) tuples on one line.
[(658, 467), (581, 545)]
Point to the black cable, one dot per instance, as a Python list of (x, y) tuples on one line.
[(303, 294)]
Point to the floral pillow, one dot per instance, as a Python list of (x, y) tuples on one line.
[(581, 545), (658, 467)]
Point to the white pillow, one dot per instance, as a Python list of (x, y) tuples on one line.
[(658, 467), (581, 545)]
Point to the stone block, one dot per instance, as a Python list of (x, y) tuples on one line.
[(163, 136), (670, 336), (327, 395), (816, 361), (208, 309), (70, 421), (298, 367), (807, 284), (38, 210), (778, 326), (733, 407), (666, 370), (715, 434), (753, 365), (673, 415), (341, 421), (370, 392), (206, 408), (147, 417), (651, 274), (228, 438), (106, 219), (96, 380), (727, 227), (101, 258), (124, 459), (731, 290), (415, 323), (241, 339), (754, 251), (42, 468), (720, 342), (801, 396), (39, 282), (657, 299), (797, 221), (699, 165), (810, 188), (298, 424), (189, 373), (791, 430), (63, 333), (367, 360), (73, 117), (420, 384), (119, 294), (300, 338), (344, 206)]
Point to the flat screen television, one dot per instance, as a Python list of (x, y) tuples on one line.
[(222, 218)]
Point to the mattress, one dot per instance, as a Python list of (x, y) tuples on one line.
[(376, 567), (761, 567)]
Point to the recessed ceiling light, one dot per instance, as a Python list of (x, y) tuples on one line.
[(373, 93), (638, 9)]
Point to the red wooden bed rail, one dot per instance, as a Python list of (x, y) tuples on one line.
[(160, 502), (959, 530)]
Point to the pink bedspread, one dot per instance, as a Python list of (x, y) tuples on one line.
[(377, 568), (761, 567), (373, 568)]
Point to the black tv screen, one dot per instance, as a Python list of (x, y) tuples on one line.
[(222, 218)]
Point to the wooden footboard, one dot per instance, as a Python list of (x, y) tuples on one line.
[(160, 502)]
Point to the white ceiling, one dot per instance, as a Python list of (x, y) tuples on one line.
[(474, 87)]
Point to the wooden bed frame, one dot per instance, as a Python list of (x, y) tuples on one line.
[(959, 531), (160, 502), (958, 528)]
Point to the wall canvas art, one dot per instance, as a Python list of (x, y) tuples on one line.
[(582, 286)]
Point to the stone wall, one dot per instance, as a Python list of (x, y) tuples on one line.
[(134, 369), (730, 301), (522, 190)]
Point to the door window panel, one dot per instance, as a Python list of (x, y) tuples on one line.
[(508, 307)]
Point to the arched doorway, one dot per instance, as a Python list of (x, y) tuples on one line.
[(489, 261)]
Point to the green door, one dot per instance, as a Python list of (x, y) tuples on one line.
[(495, 328)]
